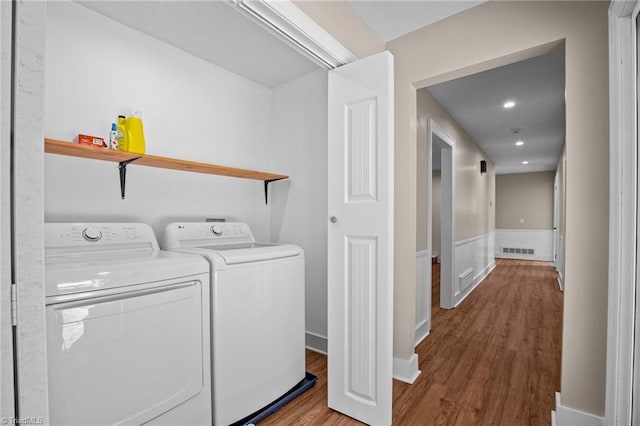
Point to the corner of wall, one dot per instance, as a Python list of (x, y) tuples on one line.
[(564, 416), (315, 342), (406, 370), (342, 22)]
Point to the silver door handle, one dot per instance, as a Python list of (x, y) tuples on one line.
[(334, 219)]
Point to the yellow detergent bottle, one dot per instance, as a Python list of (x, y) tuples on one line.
[(121, 134), (134, 133)]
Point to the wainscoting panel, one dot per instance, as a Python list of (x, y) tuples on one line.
[(423, 296), (529, 244), (474, 261), (560, 263)]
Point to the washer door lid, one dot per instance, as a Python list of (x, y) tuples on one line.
[(258, 254)]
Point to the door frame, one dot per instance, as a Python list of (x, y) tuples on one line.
[(558, 250), (556, 220), (447, 217), (623, 211), (7, 395), (27, 206)]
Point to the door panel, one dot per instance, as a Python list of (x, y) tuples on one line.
[(360, 239), (361, 142)]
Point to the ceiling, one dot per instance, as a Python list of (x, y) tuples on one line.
[(217, 32), (214, 31), (392, 19), (536, 85)]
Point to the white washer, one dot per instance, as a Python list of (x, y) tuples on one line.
[(257, 314), (127, 328)]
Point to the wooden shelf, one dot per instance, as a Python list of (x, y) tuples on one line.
[(53, 146)]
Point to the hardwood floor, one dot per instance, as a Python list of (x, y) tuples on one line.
[(494, 360)]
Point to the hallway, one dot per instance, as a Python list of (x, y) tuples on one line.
[(494, 360)]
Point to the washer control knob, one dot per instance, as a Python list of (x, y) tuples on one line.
[(216, 230), (92, 234)]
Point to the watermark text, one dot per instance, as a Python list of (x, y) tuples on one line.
[(22, 420)]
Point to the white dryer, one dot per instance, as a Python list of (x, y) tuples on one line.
[(257, 314), (127, 328)]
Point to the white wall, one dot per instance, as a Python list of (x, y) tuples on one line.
[(300, 205), (192, 110)]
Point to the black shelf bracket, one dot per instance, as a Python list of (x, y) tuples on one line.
[(122, 168), (266, 189)]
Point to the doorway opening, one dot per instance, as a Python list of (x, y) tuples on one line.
[(439, 229), (491, 140)]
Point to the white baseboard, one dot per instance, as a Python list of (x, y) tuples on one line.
[(560, 281), (486, 271), (522, 257), (564, 416), (406, 370), (315, 342), (422, 332)]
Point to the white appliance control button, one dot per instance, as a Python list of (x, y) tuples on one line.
[(216, 230), (92, 234)]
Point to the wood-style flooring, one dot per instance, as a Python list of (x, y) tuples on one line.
[(494, 360)]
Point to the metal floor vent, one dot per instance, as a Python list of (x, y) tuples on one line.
[(512, 250)]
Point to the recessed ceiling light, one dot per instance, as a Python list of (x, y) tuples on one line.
[(525, 162), (519, 143), (509, 104)]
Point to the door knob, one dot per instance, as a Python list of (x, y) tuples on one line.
[(333, 219)]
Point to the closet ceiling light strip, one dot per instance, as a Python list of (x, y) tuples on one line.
[(287, 21)]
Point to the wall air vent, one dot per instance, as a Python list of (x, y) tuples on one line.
[(512, 250), (465, 279)]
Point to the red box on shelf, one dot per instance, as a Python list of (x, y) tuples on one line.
[(96, 141)]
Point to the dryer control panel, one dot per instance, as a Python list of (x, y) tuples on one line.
[(193, 234), (83, 237)]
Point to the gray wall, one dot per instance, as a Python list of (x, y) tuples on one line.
[(474, 193), (526, 196)]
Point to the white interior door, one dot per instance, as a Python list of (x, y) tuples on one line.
[(360, 239), (6, 329)]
